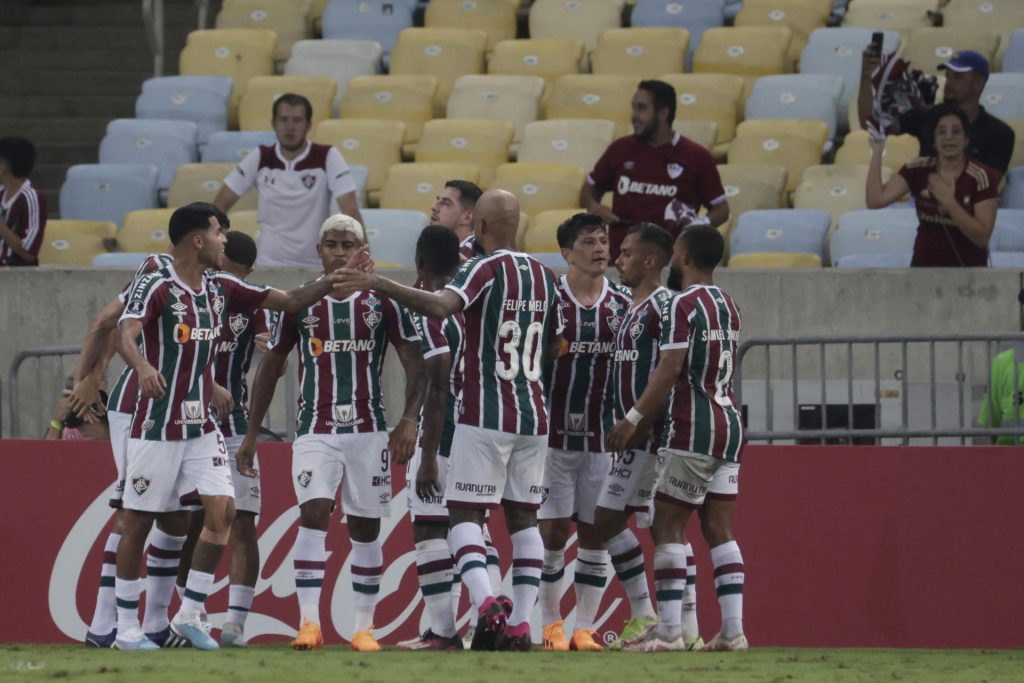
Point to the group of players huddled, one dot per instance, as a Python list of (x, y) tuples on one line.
[(562, 400)]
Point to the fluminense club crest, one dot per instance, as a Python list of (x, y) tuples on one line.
[(238, 323)]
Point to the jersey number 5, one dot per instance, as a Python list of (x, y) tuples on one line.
[(511, 333)]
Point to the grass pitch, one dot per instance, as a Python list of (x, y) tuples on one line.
[(278, 664)]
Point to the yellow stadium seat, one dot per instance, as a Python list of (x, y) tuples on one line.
[(836, 188), (584, 20), (772, 260), (548, 58), (1018, 146), (408, 99), (709, 97), (748, 188), (74, 243), (145, 230), (524, 225), (515, 99), (201, 183), (542, 237), (241, 53), (247, 222), (1002, 16), (641, 52), (926, 5), (899, 149), (926, 48), (892, 17), (289, 20), (704, 133), (567, 141), (799, 16), (593, 96), (445, 53), (496, 19), (370, 142), (256, 109), (748, 51), (541, 187), (416, 186), (480, 142), (793, 143)]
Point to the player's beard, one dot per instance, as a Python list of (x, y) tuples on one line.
[(646, 132)]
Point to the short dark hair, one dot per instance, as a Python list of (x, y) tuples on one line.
[(295, 101), (664, 96), (438, 249), (705, 244), (240, 248), (656, 236), (945, 109), (189, 218), (469, 192), (20, 155), (577, 224)]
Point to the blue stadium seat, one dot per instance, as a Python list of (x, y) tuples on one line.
[(106, 192), (119, 259), (202, 99), (780, 230), (695, 16), (1013, 58), (392, 234), (838, 51), (162, 143), (1015, 175), (1003, 96), (874, 231), (379, 20), (886, 259), (551, 259), (797, 96), (1008, 234), (232, 146), (360, 174), (1006, 259), (1013, 195)]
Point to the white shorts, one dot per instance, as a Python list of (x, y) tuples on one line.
[(691, 477), (158, 471), (120, 429), (247, 489), (359, 463), (488, 467), (572, 482), (433, 509), (630, 481)]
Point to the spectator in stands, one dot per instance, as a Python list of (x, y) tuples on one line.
[(657, 175), (454, 210), (991, 140), (297, 180), (1005, 399), (22, 207), (68, 426), (955, 196)]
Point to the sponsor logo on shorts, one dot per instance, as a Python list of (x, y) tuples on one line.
[(645, 493), (219, 462), (538, 489), (140, 485), (544, 493), (255, 491), (620, 473), (384, 498), (305, 476), (381, 480), (119, 489), (479, 489), (615, 489), (693, 489)]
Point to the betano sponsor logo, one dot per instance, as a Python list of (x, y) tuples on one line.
[(627, 186), (319, 346), (592, 347), (184, 334)]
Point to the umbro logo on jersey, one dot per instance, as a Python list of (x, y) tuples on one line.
[(238, 323), (310, 320), (179, 308), (305, 476), (140, 485)]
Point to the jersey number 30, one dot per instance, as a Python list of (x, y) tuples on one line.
[(511, 334)]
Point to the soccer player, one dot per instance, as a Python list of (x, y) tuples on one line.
[(342, 439), (180, 311), (510, 304), (701, 442), (592, 310), (454, 210)]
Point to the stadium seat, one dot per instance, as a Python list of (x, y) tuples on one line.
[(288, 20), (583, 20), (444, 53), (158, 142), (891, 17), (780, 230), (105, 192), (874, 231), (240, 54), (1003, 96), (145, 230), (392, 234), (408, 99), (704, 133), (201, 99), (1006, 259), (378, 20), (119, 259), (548, 58), (542, 235), (480, 142), (899, 149), (246, 221), (1018, 145), (709, 97), (1013, 196), (793, 144), (696, 16), (1013, 56), (201, 183), (642, 52), (1008, 234), (255, 112), (838, 51), (1001, 16), (592, 96), (751, 188), (551, 259), (797, 96), (799, 16), (416, 186), (232, 146), (566, 141), (541, 187), (748, 51), (74, 243), (885, 259), (377, 145), (341, 60), (515, 99), (496, 19), (775, 259), (834, 188), (929, 47)]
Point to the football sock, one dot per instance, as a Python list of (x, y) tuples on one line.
[(309, 558), (591, 577), (691, 631), (197, 587), (493, 567), (466, 543), (628, 560), (551, 586), (669, 585), (367, 569), (527, 562), (456, 590), (162, 559), (239, 602), (434, 569), (127, 596), (728, 564), (104, 617)]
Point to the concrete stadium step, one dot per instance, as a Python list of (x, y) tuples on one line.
[(67, 105), (43, 82), (76, 59), (94, 13), (57, 130), (66, 152), (73, 37)]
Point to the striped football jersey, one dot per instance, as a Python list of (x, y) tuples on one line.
[(234, 355), (439, 337)]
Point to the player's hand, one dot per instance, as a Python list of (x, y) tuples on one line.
[(222, 401), (402, 442), (347, 282), (869, 61), (361, 260), (427, 485), (262, 340), (86, 395), (941, 190), (620, 436), (605, 214), (151, 382), (244, 459), (876, 136)]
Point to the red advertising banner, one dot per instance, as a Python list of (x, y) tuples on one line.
[(843, 547)]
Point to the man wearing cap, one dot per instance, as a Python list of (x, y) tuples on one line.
[(990, 140)]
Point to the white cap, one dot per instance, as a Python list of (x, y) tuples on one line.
[(342, 223)]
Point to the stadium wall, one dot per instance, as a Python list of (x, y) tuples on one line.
[(843, 547)]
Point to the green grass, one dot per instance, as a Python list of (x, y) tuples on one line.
[(336, 664)]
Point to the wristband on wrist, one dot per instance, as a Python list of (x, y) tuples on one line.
[(59, 426), (633, 417), (409, 419)]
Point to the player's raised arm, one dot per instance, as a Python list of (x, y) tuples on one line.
[(402, 441), (436, 305), (651, 404)]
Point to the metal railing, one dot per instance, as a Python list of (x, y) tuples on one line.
[(153, 19), (842, 367)]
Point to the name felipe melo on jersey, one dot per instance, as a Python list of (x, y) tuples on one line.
[(520, 305)]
